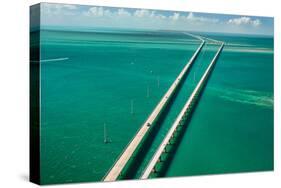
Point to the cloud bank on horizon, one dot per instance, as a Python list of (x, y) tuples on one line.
[(104, 17)]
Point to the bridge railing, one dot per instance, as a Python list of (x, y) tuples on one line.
[(180, 119), (125, 156)]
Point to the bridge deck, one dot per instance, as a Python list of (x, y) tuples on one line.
[(155, 159), (119, 165)]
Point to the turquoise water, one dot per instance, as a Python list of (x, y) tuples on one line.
[(193, 77), (232, 127), (89, 79)]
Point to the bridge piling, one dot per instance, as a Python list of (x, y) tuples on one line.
[(181, 117)]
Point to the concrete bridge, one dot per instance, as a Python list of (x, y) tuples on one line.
[(116, 171), (124, 158), (180, 120)]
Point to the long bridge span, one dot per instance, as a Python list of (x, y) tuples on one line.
[(116, 170), (124, 158), (180, 120)]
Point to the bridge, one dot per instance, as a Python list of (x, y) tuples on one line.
[(131, 148), (181, 119)]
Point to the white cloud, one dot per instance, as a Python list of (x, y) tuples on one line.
[(97, 12), (123, 12), (142, 13), (175, 16), (57, 9), (239, 21), (190, 16), (95, 16), (199, 19), (256, 22), (70, 7), (244, 21)]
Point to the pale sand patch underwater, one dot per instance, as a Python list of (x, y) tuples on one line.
[(263, 99)]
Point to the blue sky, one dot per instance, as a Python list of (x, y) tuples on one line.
[(98, 17)]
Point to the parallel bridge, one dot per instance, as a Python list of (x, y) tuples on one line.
[(124, 158), (181, 119)]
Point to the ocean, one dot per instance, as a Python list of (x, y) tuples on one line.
[(231, 129), (97, 81)]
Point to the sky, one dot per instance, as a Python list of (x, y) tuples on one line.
[(65, 15)]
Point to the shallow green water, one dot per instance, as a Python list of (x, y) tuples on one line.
[(90, 79), (193, 77), (92, 83), (232, 127)]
